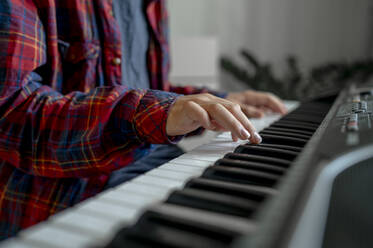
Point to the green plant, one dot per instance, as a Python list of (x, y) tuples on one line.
[(295, 84)]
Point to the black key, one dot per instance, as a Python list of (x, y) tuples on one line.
[(266, 151), (289, 130), (310, 110), (251, 192), (238, 175), (296, 126), (286, 134), (175, 226), (282, 147), (258, 158), (297, 122), (315, 108), (304, 118), (282, 140), (251, 165), (212, 201), (154, 232)]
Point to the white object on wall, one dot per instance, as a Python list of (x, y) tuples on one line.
[(194, 61)]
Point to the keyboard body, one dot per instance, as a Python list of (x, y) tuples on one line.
[(294, 190)]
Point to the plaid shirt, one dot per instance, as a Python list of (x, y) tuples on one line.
[(66, 122)]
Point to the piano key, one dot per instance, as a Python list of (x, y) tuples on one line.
[(116, 212), (167, 183), (286, 134), (290, 130), (266, 151), (160, 235), (201, 219), (316, 119), (229, 146), (251, 165), (211, 149), (156, 231), (212, 201), (193, 162), (295, 126), (239, 175), (169, 174), (127, 197), (298, 125), (54, 237), (252, 192), (19, 243), (182, 168), (173, 226), (258, 158), (276, 139), (296, 122), (99, 228), (142, 189), (196, 155), (282, 147), (261, 124)]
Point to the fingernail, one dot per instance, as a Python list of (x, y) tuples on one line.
[(245, 133), (257, 137)]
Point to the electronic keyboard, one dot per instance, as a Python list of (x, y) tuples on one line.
[(308, 184)]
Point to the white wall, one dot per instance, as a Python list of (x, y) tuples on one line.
[(193, 17), (315, 30)]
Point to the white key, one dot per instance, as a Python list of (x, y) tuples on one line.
[(229, 146), (197, 155), (226, 135), (175, 175), (182, 168), (140, 188), (56, 237), (98, 227), (191, 162), (166, 183), (211, 149), (128, 197), (119, 212), (19, 243)]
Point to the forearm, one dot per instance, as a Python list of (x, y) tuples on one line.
[(48, 134)]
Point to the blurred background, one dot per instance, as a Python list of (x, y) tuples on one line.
[(294, 48)]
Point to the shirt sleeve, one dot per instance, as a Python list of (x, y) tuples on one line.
[(45, 133), (188, 90)]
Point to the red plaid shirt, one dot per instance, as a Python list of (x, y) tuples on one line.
[(66, 121)]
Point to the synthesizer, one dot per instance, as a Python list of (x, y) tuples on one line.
[(308, 184)]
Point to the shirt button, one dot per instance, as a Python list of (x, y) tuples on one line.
[(116, 61), (111, 13)]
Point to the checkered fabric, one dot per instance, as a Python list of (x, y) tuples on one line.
[(66, 122)]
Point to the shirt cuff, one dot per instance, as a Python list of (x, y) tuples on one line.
[(151, 117)]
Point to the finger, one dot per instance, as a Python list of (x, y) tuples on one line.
[(227, 120), (199, 115), (251, 111), (234, 137), (233, 120), (274, 103), (236, 111), (218, 127)]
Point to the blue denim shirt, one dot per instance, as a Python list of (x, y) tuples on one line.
[(134, 30)]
